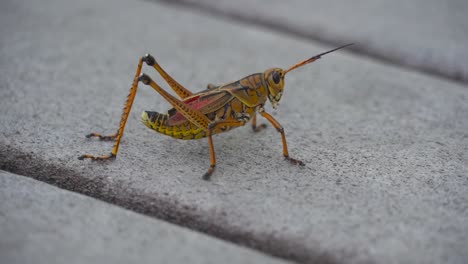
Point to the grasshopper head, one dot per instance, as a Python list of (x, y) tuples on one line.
[(274, 79)]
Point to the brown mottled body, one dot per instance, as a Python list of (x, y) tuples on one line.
[(236, 101), (214, 110)]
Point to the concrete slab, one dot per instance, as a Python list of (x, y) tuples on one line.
[(427, 35), (44, 224), (385, 149)]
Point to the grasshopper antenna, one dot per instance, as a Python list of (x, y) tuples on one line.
[(316, 57)]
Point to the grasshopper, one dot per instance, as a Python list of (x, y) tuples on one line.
[(212, 111)]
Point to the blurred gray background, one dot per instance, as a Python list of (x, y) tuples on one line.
[(382, 127)]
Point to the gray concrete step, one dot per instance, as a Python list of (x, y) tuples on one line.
[(385, 148), (44, 224), (427, 35)]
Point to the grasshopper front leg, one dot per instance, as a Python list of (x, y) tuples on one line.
[(280, 129), (123, 120), (101, 137)]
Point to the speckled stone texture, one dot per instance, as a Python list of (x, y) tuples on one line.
[(386, 175), (44, 224)]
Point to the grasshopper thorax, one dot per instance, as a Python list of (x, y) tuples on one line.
[(274, 80)]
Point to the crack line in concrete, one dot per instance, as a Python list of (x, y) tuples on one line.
[(290, 30), (163, 208)]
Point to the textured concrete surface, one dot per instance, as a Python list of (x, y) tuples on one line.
[(44, 224), (428, 35), (386, 173)]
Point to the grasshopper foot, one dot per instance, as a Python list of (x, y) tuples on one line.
[(259, 128), (101, 137), (208, 174), (295, 161), (111, 156)]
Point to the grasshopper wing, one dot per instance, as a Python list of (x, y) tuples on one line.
[(247, 89), (206, 102)]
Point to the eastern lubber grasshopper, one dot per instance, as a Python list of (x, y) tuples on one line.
[(214, 110)]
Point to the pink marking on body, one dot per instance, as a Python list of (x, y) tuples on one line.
[(196, 103)]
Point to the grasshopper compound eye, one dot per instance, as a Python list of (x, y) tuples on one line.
[(276, 77)]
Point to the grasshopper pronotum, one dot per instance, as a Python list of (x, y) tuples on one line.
[(214, 110)]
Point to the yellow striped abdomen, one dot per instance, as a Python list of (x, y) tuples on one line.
[(161, 123), (158, 122)]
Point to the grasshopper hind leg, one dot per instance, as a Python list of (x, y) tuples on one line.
[(123, 120), (112, 137), (105, 157), (179, 89), (101, 137)]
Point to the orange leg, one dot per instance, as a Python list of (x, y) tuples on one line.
[(280, 129), (211, 169), (123, 120), (211, 128), (177, 87), (194, 116), (256, 128)]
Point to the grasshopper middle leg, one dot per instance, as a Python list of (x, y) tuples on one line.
[(256, 128), (211, 127)]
